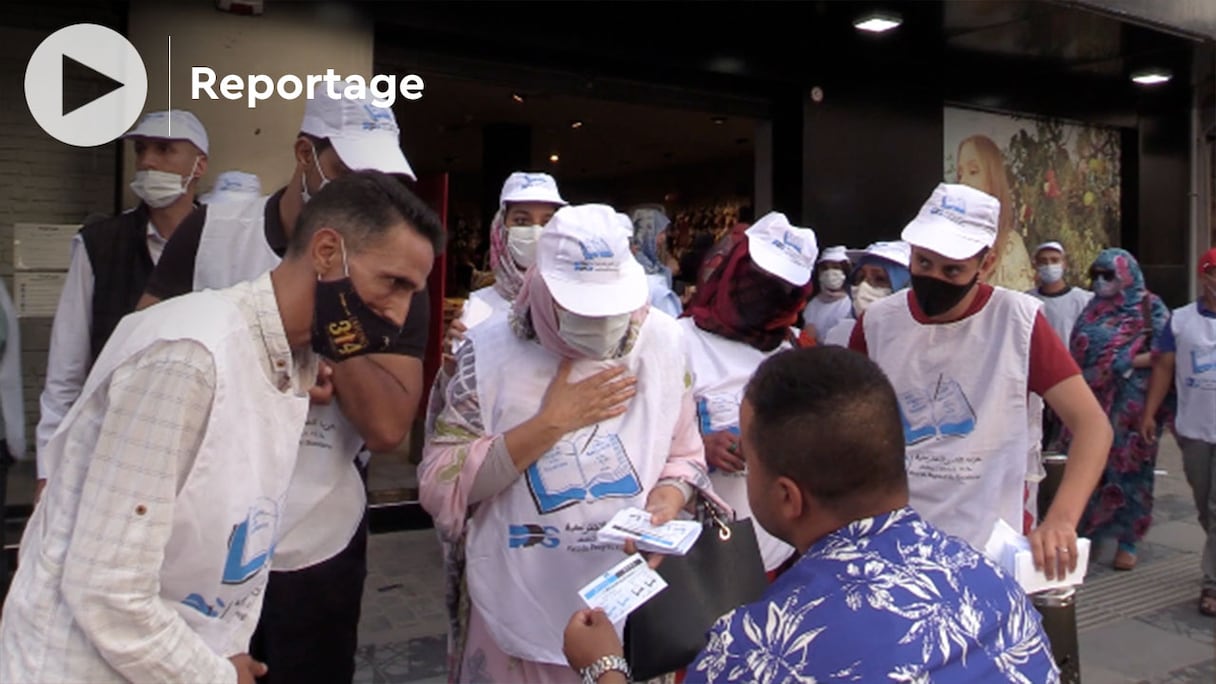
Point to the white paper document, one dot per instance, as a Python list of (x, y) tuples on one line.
[(624, 588), (673, 538), (1009, 549)]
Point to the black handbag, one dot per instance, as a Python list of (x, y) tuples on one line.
[(722, 571)]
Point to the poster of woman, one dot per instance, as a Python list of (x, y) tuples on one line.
[(1055, 181)]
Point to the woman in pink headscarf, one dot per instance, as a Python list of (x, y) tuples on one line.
[(575, 408)]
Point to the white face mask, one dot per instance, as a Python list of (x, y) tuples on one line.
[(159, 189), (1106, 288), (304, 177), (866, 294), (598, 338), (521, 242), (831, 279), (1051, 274)]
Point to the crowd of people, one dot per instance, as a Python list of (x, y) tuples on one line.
[(221, 371)]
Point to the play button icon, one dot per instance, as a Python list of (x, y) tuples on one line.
[(85, 85)]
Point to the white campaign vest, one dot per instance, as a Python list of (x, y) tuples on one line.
[(721, 369), (327, 498), (825, 315), (232, 247), (840, 333), (12, 397), (227, 516), (962, 391), (532, 546), (489, 296), (1195, 373)]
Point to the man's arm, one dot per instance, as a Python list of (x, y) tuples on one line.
[(1158, 386), (379, 393), (70, 354), (154, 422), (174, 272)]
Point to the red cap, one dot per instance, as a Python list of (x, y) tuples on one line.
[(1207, 260)]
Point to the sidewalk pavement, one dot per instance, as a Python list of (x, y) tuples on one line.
[(1138, 627)]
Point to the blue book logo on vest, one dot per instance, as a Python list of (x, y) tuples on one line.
[(250, 545), (582, 470), (525, 536), (1203, 360), (252, 542), (940, 411)]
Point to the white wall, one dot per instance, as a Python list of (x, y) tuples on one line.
[(290, 38)]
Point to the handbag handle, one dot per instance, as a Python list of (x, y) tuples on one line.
[(715, 517)]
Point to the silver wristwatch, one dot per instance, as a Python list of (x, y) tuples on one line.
[(592, 673)]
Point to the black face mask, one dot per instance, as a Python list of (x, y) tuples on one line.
[(936, 297), (343, 326)]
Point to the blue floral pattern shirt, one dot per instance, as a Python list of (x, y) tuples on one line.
[(884, 599)]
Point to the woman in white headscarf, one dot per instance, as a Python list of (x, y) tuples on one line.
[(831, 303), (577, 406)]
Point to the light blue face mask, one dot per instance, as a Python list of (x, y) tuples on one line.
[(1104, 287)]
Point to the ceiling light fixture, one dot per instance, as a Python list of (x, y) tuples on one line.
[(553, 158), (576, 124), (877, 22), (1152, 76), (517, 97), (718, 119)]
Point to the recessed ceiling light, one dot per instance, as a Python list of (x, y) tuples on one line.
[(554, 158), (877, 22), (517, 97), (1152, 76), (718, 119), (576, 124)]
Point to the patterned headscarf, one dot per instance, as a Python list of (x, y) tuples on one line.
[(741, 301), (1111, 331), (508, 278), (648, 223)]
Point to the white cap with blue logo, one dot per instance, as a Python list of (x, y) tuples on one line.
[(364, 136), (530, 187), (233, 185), (173, 124), (957, 222), (585, 258), (784, 250)]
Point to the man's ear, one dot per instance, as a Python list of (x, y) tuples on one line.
[(304, 151), (988, 264), (201, 170), (791, 501), (325, 248)]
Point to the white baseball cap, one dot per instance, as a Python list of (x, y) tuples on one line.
[(530, 187), (584, 256), (231, 185), (837, 253), (898, 252), (783, 250), (957, 222), (364, 136), (1048, 245), (174, 124)]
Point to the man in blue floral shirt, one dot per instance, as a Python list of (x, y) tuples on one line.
[(879, 594)]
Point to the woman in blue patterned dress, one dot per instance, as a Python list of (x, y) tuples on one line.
[(1112, 342)]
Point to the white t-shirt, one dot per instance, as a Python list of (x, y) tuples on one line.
[(1061, 310)]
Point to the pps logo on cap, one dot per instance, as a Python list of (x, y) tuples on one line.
[(951, 208), (60, 78)]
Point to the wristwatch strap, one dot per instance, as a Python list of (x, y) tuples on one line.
[(592, 673)]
